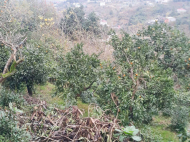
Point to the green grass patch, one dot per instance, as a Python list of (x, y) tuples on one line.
[(83, 106), (160, 125), (45, 92)]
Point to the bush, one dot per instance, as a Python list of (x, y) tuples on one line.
[(149, 136), (88, 97), (180, 111), (7, 97), (9, 131)]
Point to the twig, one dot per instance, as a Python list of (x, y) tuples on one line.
[(76, 134)]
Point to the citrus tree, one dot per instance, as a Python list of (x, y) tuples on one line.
[(139, 86), (33, 70), (74, 21), (172, 48), (76, 73)]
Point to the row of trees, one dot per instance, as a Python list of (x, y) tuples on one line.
[(147, 70)]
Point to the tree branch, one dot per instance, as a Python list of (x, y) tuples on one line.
[(11, 58)]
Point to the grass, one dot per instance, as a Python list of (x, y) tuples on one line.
[(83, 106), (45, 92), (160, 124)]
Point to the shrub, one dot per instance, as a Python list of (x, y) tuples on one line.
[(8, 127), (127, 133), (150, 136), (180, 111), (88, 97), (7, 97)]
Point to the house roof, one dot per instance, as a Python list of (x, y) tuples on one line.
[(181, 9)]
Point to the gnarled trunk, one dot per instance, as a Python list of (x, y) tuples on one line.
[(29, 88)]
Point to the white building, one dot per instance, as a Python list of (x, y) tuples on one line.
[(170, 19), (181, 10), (150, 4), (103, 22), (162, 1), (150, 22), (106, 0), (76, 5), (102, 3), (99, 1)]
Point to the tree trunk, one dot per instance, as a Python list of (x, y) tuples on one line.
[(29, 88), (131, 112)]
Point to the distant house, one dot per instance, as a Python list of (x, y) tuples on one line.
[(169, 19), (102, 3), (106, 0), (117, 27), (181, 10), (148, 3), (162, 1), (76, 4), (150, 22), (103, 22), (98, 1)]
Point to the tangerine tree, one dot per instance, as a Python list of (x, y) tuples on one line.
[(172, 48), (135, 80), (76, 73)]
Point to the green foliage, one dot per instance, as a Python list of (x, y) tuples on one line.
[(138, 17), (139, 84), (88, 97), (180, 110), (4, 55), (74, 20), (9, 131), (150, 136), (76, 73), (128, 132), (7, 97), (161, 9), (172, 49), (91, 24)]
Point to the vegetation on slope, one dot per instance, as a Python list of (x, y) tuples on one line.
[(147, 79)]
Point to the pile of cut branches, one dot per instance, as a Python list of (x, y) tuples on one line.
[(52, 124)]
